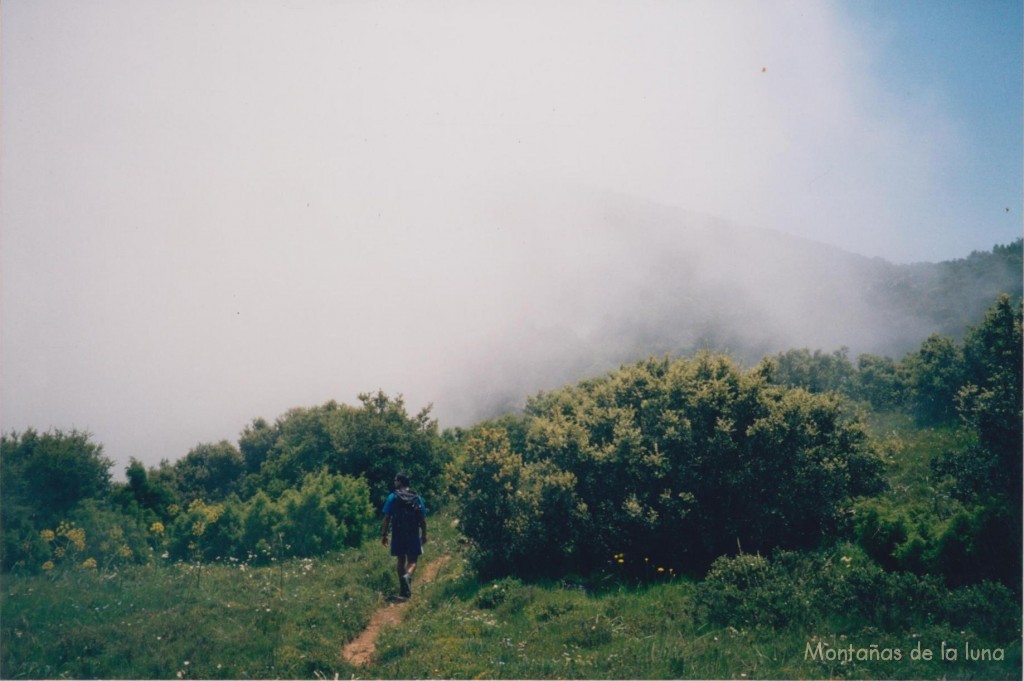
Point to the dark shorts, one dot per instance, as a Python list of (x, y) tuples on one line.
[(406, 543)]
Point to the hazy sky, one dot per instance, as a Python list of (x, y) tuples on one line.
[(216, 210)]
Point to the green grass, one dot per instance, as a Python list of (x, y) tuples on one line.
[(910, 450), (291, 620), (462, 628), (285, 620)]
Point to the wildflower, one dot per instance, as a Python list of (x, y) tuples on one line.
[(89, 563), (47, 535), (157, 528), (661, 569), (125, 551), (48, 565)]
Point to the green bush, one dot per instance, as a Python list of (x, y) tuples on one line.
[(815, 372), (844, 588), (749, 590), (508, 593), (326, 513), (516, 511), (374, 441), (45, 475), (673, 462)]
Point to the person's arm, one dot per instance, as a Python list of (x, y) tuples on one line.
[(384, 530), (423, 528)]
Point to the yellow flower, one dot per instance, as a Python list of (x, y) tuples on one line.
[(157, 528), (125, 551), (661, 569), (76, 535), (89, 563), (48, 565), (47, 535)]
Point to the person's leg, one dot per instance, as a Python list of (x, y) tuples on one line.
[(405, 578), (402, 585)]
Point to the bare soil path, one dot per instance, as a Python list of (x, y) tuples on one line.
[(359, 650)]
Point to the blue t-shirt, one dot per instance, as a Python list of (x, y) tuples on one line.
[(405, 540)]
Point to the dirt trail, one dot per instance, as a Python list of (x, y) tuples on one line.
[(359, 651)]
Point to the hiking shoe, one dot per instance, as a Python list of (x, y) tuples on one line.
[(406, 585)]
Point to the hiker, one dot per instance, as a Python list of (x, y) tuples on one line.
[(404, 514)]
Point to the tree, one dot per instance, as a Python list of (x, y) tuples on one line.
[(381, 438), (936, 372), (374, 441), (144, 492), (45, 476), (880, 381), (49, 473), (991, 401), (817, 372), (255, 443), (209, 472)]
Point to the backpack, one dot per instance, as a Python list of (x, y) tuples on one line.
[(407, 509)]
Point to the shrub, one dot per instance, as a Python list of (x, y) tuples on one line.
[(373, 441), (678, 462), (844, 588), (45, 475), (516, 512), (324, 514), (749, 590)]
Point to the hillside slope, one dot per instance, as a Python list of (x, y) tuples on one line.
[(604, 279)]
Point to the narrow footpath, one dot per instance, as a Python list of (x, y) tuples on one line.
[(359, 650)]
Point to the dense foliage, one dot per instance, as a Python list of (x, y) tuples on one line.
[(952, 294), (304, 486), (374, 440), (45, 475), (970, 529), (672, 462)]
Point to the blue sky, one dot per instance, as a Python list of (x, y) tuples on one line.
[(963, 56)]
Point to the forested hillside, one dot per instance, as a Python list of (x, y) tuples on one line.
[(642, 279)]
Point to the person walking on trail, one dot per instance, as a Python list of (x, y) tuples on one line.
[(406, 516)]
